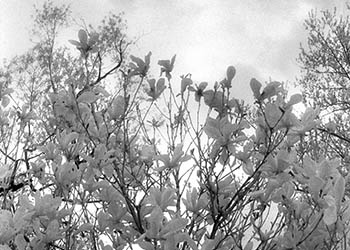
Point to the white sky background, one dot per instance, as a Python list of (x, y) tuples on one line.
[(260, 38)]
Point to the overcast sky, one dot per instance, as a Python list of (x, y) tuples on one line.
[(261, 38)]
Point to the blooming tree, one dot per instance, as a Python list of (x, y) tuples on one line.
[(325, 59), (158, 163)]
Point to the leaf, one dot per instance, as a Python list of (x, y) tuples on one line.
[(255, 86), (230, 73)]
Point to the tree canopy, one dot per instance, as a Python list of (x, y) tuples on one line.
[(325, 82), (94, 156)]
